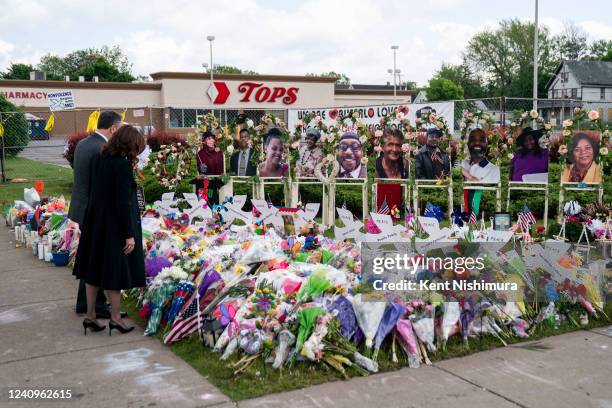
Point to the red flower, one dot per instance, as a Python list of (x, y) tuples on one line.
[(333, 114)]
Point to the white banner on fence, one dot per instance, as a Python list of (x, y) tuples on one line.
[(371, 115), (61, 100)]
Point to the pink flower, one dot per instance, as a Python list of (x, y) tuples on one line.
[(317, 119), (377, 149), (378, 133), (400, 116), (295, 145), (593, 115), (405, 147)]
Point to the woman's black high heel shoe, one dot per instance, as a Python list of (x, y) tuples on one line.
[(95, 327), (114, 325)]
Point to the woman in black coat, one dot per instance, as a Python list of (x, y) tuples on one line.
[(110, 253)]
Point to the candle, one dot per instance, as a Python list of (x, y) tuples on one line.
[(48, 254), (35, 245), (41, 251)]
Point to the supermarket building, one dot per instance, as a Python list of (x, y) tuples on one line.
[(174, 100)]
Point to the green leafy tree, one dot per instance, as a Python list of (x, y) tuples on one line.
[(17, 71), (462, 75), (230, 69), (505, 58), (343, 79), (16, 135), (442, 89), (601, 50), (571, 44), (110, 64)]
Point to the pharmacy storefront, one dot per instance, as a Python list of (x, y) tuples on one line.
[(175, 100)]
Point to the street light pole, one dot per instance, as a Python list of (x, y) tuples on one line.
[(394, 48), (210, 39), (535, 60)]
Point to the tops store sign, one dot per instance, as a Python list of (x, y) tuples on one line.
[(257, 92)]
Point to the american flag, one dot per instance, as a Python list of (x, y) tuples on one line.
[(472, 218), (526, 218), (186, 323), (384, 207)]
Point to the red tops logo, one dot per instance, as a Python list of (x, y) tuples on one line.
[(219, 92)]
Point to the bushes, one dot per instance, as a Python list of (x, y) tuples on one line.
[(71, 143), (153, 190), (16, 134), (160, 137)]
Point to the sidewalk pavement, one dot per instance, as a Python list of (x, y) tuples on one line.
[(43, 347)]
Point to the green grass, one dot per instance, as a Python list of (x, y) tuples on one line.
[(58, 180), (261, 379)]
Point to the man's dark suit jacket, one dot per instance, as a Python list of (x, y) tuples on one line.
[(84, 153), (424, 167), (234, 160)]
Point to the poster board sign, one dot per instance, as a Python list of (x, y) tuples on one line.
[(371, 115), (61, 101)]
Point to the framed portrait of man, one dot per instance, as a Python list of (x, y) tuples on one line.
[(350, 157)]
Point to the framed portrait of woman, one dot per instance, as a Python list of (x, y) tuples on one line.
[(274, 165), (529, 163), (582, 160)]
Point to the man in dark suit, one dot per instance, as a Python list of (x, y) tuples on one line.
[(86, 150), (432, 162), (240, 162)]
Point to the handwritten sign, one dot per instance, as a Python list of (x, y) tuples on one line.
[(60, 101), (429, 224)]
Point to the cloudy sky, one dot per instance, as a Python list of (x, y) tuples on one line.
[(276, 36)]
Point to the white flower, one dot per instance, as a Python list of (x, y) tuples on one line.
[(567, 132), (593, 115), (568, 123), (562, 149), (249, 123), (363, 138), (364, 160), (510, 156), (355, 115), (440, 124), (533, 113), (524, 115), (513, 124), (485, 116), (295, 145), (603, 151), (299, 124), (462, 125), (577, 110), (230, 149), (317, 119), (347, 121), (548, 126), (329, 157), (510, 140), (378, 133)]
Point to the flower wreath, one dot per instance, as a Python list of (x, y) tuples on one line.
[(224, 140), (310, 120), (595, 122), (497, 143), (438, 121), (525, 119), (169, 156), (267, 122), (398, 118)]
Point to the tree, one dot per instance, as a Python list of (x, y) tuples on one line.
[(505, 58), (17, 71), (442, 89), (109, 64), (230, 69), (571, 44), (462, 75), (343, 79), (601, 50), (16, 135)]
